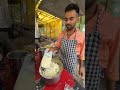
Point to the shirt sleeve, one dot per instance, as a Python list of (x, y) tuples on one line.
[(82, 51), (58, 42)]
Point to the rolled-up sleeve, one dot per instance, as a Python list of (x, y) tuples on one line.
[(58, 42)]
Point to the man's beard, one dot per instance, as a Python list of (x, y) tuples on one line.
[(70, 27)]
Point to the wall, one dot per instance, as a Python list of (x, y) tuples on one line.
[(28, 7), (23, 12), (53, 29), (5, 20)]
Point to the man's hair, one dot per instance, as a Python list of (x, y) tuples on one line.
[(72, 6)]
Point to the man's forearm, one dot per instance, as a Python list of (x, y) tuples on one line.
[(56, 48), (81, 63)]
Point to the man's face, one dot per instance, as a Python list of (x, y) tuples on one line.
[(71, 18)]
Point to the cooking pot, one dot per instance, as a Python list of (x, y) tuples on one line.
[(17, 58), (55, 79)]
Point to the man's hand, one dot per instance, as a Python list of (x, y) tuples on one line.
[(81, 71), (53, 49)]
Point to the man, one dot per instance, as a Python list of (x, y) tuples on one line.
[(71, 42), (101, 47)]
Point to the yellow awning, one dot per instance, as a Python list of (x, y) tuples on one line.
[(44, 17)]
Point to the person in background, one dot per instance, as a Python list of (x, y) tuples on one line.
[(71, 42), (101, 49)]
